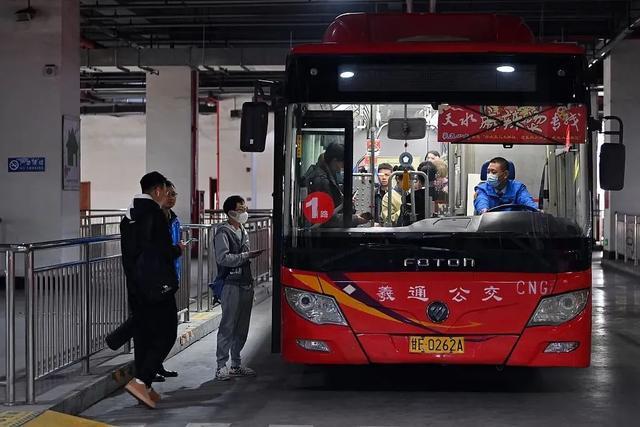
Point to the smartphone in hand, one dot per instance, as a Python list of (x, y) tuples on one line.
[(255, 254)]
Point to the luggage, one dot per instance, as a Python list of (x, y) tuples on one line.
[(121, 335)]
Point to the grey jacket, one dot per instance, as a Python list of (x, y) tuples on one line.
[(233, 253)]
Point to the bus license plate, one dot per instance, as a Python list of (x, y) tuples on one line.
[(436, 345)]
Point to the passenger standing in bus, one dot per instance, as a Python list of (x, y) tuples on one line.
[(432, 155), (325, 177), (382, 198), (500, 190), (233, 258)]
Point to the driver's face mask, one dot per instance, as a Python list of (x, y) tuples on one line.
[(493, 180)]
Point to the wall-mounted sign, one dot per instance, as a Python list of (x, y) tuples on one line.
[(70, 153), (26, 164)]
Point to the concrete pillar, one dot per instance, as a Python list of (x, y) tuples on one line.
[(40, 63), (168, 150), (622, 99)]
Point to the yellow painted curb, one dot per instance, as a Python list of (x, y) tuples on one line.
[(15, 418), (57, 419)]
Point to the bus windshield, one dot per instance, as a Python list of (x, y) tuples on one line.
[(417, 167)]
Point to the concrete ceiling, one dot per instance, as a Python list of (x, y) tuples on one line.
[(234, 43)]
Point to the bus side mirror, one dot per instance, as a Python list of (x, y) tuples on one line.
[(253, 127), (611, 168), (612, 158)]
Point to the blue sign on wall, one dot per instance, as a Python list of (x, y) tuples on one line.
[(26, 164)]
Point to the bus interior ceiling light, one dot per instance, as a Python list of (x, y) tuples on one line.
[(506, 69), (347, 74)]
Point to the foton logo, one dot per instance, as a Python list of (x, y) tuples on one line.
[(440, 262)]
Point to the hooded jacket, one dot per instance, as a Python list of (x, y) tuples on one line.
[(232, 253), (145, 226)]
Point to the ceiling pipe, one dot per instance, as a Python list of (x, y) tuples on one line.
[(605, 50)]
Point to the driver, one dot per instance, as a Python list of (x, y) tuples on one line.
[(500, 190)]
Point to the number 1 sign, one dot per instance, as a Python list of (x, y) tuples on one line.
[(318, 207)]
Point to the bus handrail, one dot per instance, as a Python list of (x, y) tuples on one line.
[(427, 202)]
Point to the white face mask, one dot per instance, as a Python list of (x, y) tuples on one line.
[(242, 217)]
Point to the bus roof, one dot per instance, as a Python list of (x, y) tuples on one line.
[(405, 33), (440, 47)]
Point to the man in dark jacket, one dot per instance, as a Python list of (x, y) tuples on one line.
[(145, 238), (324, 177)]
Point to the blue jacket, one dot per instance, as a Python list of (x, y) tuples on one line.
[(514, 192), (174, 227)]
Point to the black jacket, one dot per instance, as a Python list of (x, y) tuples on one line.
[(145, 226), (320, 178)]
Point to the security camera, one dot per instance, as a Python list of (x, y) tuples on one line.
[(50, 70)]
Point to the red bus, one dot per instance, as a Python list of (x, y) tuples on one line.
[(403, 268)]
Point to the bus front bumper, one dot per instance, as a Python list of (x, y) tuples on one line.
[(304, 342)]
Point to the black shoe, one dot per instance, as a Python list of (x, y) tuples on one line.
[(168, 374), (158, 379)]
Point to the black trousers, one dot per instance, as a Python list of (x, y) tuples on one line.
[(155, 328)]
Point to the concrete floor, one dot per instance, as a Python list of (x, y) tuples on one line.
[(607, 394)]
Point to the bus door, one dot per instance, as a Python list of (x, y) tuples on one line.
[(315, 131)]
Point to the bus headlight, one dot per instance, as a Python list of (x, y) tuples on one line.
[(559, 309), (319, 309)]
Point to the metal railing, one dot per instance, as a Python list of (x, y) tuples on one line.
[(259, 231), (625, 237), (71, 306), (100, 223)]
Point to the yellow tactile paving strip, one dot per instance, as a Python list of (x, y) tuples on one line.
[(201, 316), (15, 418), (57, 419)]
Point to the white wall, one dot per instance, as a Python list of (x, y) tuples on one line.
[(622, 98), (113, 158), (168, 148), (34, 207), (235, 166)]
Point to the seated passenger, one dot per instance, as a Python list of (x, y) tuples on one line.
[(499, 189)]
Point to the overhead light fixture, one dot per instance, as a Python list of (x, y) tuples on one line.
[(506, 69), (347, 74)]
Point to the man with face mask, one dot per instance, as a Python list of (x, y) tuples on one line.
[(232, 256), (499, 189)]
